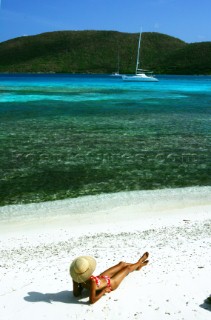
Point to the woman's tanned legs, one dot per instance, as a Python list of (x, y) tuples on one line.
[(119, 276), (111, 272)]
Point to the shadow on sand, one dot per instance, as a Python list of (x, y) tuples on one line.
[(207, 304), (62, 296)]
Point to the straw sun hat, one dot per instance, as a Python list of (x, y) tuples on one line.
[(82, 268)]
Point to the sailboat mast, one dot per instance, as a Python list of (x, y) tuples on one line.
[(138, 53), (118, 61)]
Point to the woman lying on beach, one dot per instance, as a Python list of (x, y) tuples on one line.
[(81, 270)]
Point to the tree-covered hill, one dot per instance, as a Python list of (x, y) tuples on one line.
[(97, 52), (195, 58)]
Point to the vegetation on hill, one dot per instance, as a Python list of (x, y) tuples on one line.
[(195, 58), (97, 52)]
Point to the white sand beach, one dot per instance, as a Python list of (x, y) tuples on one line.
[(39, 241)]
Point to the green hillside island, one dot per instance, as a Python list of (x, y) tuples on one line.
[(97, 52)]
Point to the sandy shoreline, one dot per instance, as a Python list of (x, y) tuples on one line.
[(176, 230)]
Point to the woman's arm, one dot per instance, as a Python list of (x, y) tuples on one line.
[(94, 294), (77, 289)]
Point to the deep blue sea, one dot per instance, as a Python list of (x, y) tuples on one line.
[(71, 135)]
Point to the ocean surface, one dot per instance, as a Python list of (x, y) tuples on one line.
[(64, 136)]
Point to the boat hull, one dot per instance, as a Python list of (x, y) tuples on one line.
[(117, 75), (138, 78)]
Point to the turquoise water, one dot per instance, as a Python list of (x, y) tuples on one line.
[(70, 135)]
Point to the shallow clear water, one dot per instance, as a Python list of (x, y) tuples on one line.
[(69, 135)]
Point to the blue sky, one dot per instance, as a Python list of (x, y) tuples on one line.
[(188, 20)]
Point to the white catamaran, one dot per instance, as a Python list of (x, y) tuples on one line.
[(140, 75)]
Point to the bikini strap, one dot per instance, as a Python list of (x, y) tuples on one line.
[(108, 280), (97, 280)]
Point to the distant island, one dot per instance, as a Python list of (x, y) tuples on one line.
[(97, 52)]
